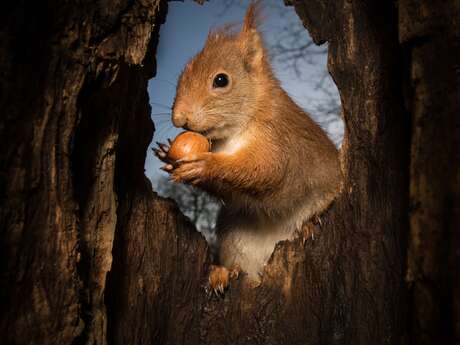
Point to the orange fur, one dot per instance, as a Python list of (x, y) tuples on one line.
[(270, 163)]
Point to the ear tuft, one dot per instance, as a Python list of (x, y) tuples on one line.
[(252, 17), (250, 38)]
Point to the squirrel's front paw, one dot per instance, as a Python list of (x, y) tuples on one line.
[(219, 278), (191, 169), (162, 151)]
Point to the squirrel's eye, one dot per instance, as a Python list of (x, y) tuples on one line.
[(220, 80)]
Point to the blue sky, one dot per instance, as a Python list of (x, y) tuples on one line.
[(183, 35)]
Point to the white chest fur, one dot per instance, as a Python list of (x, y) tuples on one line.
[(231, 145)]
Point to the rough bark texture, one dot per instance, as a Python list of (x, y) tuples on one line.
[(430, 36), (91, 255), (74, 103)]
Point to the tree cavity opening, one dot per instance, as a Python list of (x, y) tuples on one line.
[(298, 63)]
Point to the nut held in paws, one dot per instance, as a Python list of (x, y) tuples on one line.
[(187, 143)]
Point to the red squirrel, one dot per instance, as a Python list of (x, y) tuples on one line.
[(272, 166)]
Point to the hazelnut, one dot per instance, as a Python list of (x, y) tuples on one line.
[(187, 143)]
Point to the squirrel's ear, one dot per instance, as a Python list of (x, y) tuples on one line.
[(251, 40), (252, 17)]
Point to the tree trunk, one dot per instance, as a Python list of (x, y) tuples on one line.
[(91, 255), (430, 37)]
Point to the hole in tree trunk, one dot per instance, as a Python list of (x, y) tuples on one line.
[(298, 63)]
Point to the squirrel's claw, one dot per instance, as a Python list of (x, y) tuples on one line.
[(317, 220), (219, 279), (162, 152), (163, 147), (159, 153), (168, 168)]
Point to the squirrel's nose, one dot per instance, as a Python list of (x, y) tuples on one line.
[(179, 118)]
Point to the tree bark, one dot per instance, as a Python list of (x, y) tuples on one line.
[(430, 37), (91, 255)]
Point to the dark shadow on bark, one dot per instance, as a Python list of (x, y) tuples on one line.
[(76, 205)]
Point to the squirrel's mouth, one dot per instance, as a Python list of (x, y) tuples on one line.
[(216, 132), (209, 133), (205, 132)]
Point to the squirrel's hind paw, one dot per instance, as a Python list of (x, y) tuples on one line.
[(219, 279)]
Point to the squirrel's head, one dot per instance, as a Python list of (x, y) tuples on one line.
[(220, 88)]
